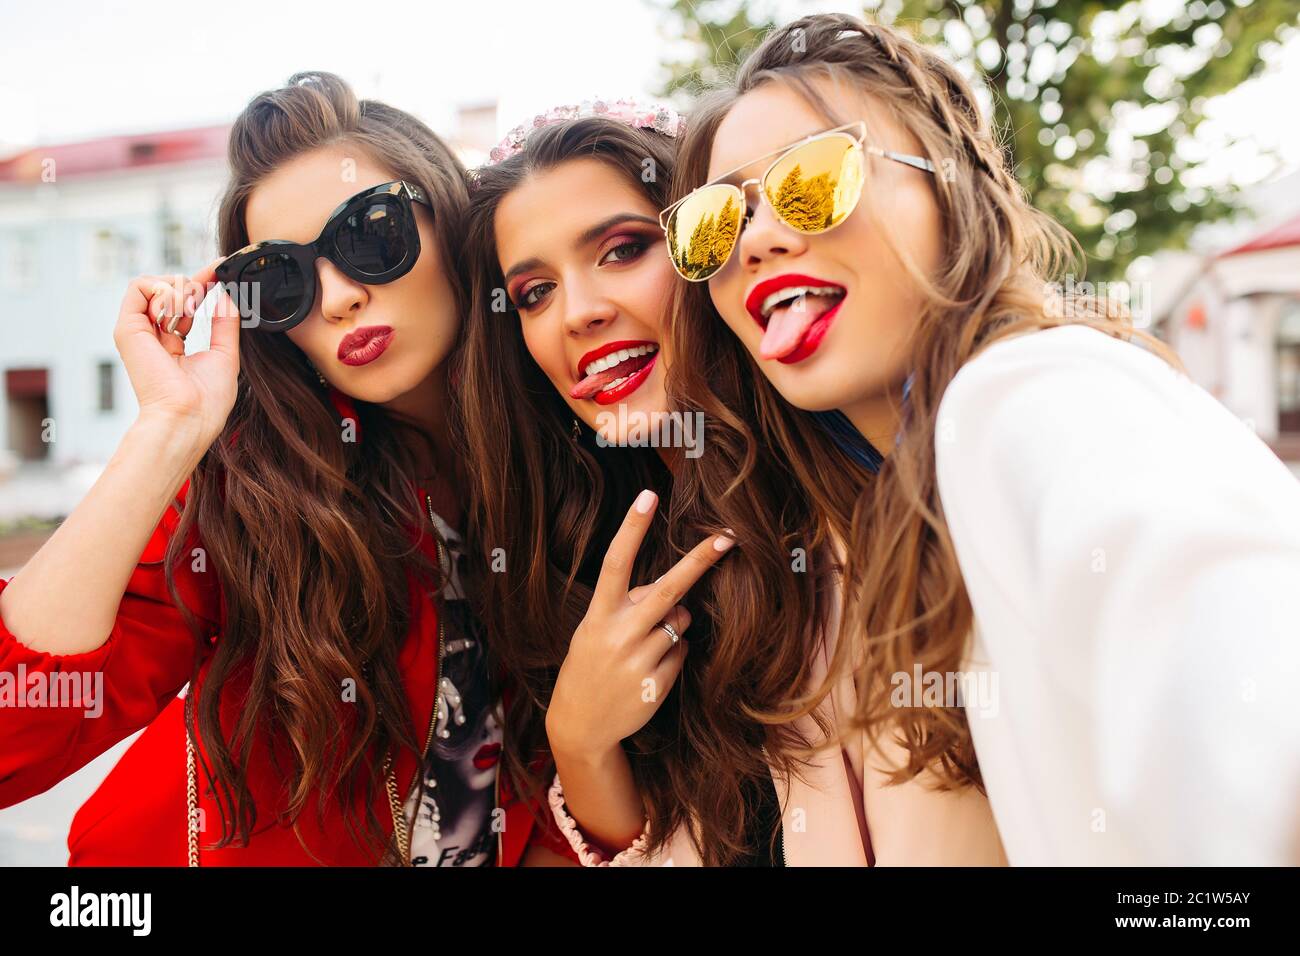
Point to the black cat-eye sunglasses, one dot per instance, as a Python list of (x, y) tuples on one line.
[(372, 238)]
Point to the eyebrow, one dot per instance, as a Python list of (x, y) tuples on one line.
[(617, 219), (587, 236), (522, 267)]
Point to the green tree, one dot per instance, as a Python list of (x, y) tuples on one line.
[(1094, 104)]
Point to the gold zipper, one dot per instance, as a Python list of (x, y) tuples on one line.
[(437, 669), (433, 721), (401, 828), (496, 780)]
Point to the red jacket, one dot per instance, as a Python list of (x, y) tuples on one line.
[(137, 816)]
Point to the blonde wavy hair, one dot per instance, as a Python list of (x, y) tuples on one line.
[(904, 599)]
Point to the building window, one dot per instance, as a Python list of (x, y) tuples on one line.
[(1288, 368), (103, 255), (106, 386), (18, 268), (128, 256), (173, 236), (113, 256)]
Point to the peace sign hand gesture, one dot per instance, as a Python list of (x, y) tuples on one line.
[(628, 651)]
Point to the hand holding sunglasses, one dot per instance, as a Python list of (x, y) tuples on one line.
[(812, 187), (187, 396), (372, 238)]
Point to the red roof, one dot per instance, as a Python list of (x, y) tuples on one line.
[(1287, 234), (117, 152)]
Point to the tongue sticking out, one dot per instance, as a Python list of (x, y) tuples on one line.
[(788, 324), (592, 384)]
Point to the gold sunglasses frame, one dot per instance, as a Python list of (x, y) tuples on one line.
[(780, 154)]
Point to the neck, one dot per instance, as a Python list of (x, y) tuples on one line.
[(425, 406), (877, 418)]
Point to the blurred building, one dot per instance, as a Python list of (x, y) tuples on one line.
[(1235, 322), (76, 222)]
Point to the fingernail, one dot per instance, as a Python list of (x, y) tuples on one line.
[(722, 542), (645, 501), (175, 321)]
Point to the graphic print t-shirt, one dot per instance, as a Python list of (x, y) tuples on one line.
[(453, 804)]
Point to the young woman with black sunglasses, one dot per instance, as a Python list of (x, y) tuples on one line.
[(276, 530)]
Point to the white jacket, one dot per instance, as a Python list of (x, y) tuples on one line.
[(1132, 554)]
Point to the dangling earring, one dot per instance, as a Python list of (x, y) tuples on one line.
[(576, 431), (319, 377)]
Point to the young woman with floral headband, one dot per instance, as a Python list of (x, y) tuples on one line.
[(1056, 511), (563, 223), (276, 530)]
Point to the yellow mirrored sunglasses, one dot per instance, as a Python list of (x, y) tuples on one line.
[(812, 186)]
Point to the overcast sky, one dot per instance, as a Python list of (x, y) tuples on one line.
[(78, 69), (81, 68)]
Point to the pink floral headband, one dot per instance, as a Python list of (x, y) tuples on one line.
[(658, 117)]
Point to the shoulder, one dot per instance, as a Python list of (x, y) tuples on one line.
[(1077, 423), (1070, 365), (1064, 396)]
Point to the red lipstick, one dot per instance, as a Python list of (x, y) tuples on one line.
[(625, 362), (487, 756), (794, 325), (362, 346)]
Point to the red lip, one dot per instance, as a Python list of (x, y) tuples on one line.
[(611, 395), (487, 757), (362, 346), (816, 331), (754, 301), (603, 350), (590, 386)]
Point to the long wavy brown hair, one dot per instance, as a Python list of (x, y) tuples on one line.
[(552, 503), (311, 536), (905, 602)]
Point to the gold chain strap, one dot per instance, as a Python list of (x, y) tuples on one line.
[(191, 795), (192, 799)]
